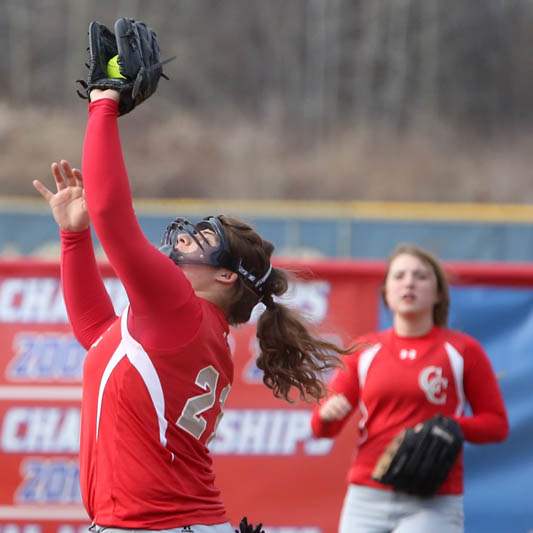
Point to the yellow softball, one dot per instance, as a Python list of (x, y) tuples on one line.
[(113, 68)]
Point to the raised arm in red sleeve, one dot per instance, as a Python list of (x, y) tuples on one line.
[(488, 422), (157, 289), (89, 307)]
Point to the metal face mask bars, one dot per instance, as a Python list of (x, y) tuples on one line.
[(217, 255)]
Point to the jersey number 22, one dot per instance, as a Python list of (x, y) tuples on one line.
[(191, 419)]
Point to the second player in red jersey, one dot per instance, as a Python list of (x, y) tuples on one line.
[(401, 377)]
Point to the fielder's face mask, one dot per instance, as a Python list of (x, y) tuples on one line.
[(216, 254)]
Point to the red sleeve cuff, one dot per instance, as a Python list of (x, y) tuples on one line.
[(107, 104), (74, 235)]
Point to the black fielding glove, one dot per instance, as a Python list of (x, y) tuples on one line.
[(419, 459), (139, 64)]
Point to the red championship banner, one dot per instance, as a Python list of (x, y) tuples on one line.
[(268, 466)]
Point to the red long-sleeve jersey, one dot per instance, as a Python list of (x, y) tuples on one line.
[(396, 382), (154, 380)]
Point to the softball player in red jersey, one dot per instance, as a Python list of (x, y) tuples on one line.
[(155, 379), (401, 377)]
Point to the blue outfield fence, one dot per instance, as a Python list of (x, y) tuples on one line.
[(456, 232)]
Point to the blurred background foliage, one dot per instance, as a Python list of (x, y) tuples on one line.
[(309, 99)]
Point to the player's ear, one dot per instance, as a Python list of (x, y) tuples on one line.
[(227, 277)]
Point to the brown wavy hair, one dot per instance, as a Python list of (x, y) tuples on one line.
[(290, 355), (442, 307)]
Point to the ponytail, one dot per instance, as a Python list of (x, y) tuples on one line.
[(290, 356)]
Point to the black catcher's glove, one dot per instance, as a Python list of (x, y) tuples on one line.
[(419, 459), (245, 527), (138, 59)]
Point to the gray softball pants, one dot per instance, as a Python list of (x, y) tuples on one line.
[(369, 510)]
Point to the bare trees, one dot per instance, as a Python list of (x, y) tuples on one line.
[(290, 86), (320, 62), (19, 53)]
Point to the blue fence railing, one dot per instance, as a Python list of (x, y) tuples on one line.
[(297, 228)]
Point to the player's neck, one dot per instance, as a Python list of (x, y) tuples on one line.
[(412, 326), (214, 297)]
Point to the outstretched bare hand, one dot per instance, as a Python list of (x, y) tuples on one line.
[(68, 203)]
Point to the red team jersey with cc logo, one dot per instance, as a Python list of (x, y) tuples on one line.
[(155, 380), (396, 382)]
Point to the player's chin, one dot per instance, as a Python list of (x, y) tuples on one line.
[(413, 310)]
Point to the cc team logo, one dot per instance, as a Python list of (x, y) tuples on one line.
[(433, 384)]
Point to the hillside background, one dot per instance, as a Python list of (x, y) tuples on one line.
[(308, 99)]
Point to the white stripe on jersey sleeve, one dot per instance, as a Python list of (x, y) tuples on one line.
[(138, 357), (457, 365), (140, 360), (111, 364), (365, 360)]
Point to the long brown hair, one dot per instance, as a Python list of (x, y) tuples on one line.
[(290, 355), (441, 308)]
